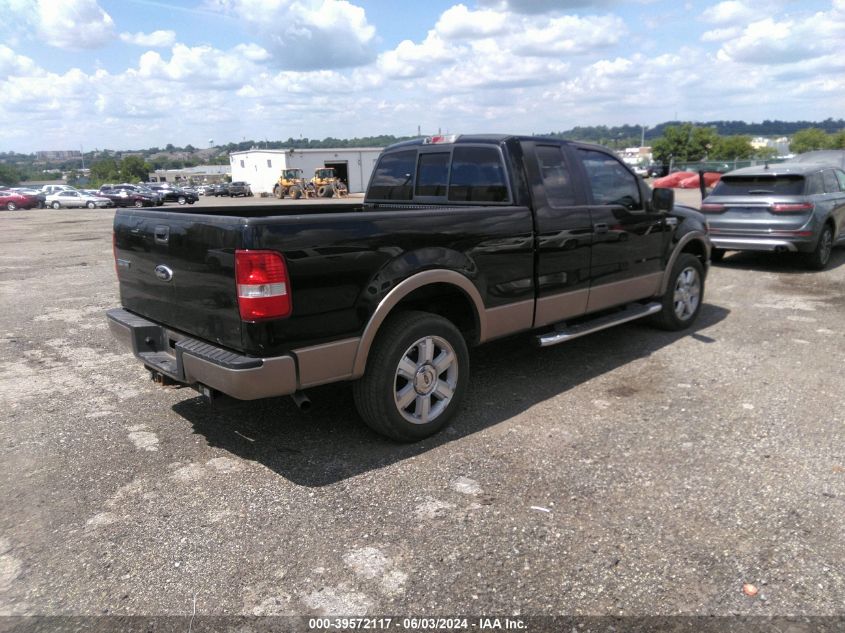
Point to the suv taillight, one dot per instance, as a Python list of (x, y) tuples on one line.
[(792, 207), (263, 288)]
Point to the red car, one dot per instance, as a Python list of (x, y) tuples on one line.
[(13, 200)]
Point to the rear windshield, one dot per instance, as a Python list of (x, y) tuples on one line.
[(760, 185)]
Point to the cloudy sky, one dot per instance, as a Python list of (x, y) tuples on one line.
[(125, 74)]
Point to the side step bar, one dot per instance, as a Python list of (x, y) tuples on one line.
[(563, 333)]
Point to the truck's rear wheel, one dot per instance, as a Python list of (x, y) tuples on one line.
[(295, 193), (416, 376)]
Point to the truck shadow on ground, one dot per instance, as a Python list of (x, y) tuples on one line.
[(782, 263), (330, 443)]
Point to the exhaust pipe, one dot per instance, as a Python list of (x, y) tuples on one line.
[(301, 400)]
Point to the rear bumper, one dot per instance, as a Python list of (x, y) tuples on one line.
[(195, 363), (758, 243)]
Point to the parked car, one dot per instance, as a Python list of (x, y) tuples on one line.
[(39, 196), (157, 198), (175, 194), (239, 188), (831, 157), (13, 200), (71, 199), (789, 207), (125, 198), (459, 241), (221, 189)]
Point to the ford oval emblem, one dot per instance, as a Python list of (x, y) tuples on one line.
[(164, 273)]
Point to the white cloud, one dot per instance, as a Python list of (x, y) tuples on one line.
[(13, 64), (458, 22), (534, 7), (729, 12), (720, 35), (203, 65), (74, 24), (156, 39), (772, 42), (308, 34)]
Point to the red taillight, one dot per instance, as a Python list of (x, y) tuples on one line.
[(263, 288), (792, 207), (709, 207)]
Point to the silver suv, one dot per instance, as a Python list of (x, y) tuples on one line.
[(790, 207)]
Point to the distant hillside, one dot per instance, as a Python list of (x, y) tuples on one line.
[(613, 135)]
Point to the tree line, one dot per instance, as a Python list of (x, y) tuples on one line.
[(683, 142)]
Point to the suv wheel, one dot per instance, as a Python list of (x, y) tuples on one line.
[(682, 300), (416, 376), (820, 256), (182, 200)]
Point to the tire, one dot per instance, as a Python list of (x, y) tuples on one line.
[(717, 254), (139, 203), (91, 205), (278, 192), (403, 394), (325, 191), (182, 200), (295, 193), (56, 205), (820, 256), (11, 206), (682, 300)]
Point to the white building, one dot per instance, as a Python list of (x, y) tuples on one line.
[(261, 167)]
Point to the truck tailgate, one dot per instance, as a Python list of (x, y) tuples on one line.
[(178, 269)]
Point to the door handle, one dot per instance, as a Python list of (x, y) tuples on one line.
[(600, 228), (162, 234)]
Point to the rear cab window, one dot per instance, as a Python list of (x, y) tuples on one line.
[(439, 174)]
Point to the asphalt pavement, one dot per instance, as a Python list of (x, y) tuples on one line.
[(632, 472)]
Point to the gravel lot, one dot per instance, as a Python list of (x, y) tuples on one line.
[(633, 472)]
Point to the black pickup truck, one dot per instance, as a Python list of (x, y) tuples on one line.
[(459, 241)]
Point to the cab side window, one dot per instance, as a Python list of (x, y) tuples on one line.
[(610, 182), (557, 180), (477, 176), (840, 176)]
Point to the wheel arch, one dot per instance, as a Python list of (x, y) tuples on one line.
[(444, 292)]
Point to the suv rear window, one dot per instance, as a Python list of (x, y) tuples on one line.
[(760, 185)]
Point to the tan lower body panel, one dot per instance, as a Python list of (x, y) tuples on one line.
[(619, 292), (322, 364), (560, 307), (509, 319)]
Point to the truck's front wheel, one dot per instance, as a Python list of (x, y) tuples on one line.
[(417, 374), (684, 293)]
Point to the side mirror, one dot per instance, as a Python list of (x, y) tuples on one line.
[(662, 200)]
